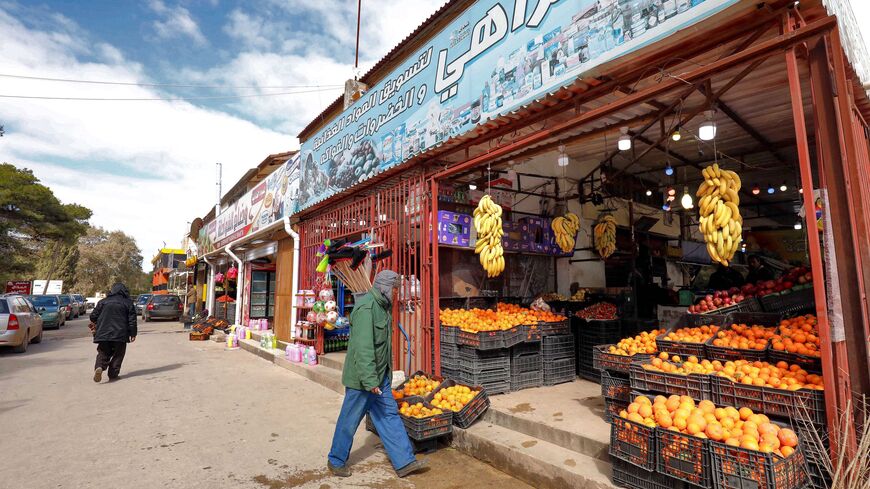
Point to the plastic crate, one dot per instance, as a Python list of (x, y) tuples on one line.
[(740, 468), (725, 354), (588, 373), (525, 348), (615, 387), (449, 372), (420, 429), (695, 385), (602, 359), (559, 371), (612, 408), (684, 457), (632, 477), (482, 340), (558, 346), (471, 360), (751, 304), (529, 362), (526, 380), (689, 321), (633, 443), (818, 475), (806, 404), (483, 377), (471, 411), (449, 334), (790, 303), (513, 336), (559, 327), (424, 446), (599, 332), (814, 440), (531, 332), (808, 363)]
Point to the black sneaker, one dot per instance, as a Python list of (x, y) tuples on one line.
[(415, 466), (98, 374), (342, 471)]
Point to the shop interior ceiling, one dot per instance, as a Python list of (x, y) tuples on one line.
[(755, 137)]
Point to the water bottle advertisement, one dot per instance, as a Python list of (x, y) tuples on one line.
[(493, 58)]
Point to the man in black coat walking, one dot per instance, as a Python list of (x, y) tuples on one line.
[(115, 320)]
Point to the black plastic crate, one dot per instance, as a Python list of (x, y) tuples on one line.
[(632, 442), (689, 321), (526, 380), (449, 334), (806, 404), (808, 363), (529, 362), (589, 373), (602, 359), (814, 440), (790, 303), (597, 332), (819, 476), (615, 386), (482, 340), (684, 457), (559, 327), (558, 346), (525, 348), (424, 446), (751, 304), (740, 468), (420, 429), (724, 353), (471, 411), (632, 477), (559, 371), (612, 408), (695, 385), (472, 360), (513, 336), (484, 377), (531, 332), (449, 372)]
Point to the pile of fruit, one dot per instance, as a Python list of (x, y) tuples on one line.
[(553, 296), (675, 365), (762, 374), (605, 236), (744, 337), (420, 385), (506, 317), (720, 221), (697, 334), (718, 300), (453, 398), (603, 311), (418, 410), (792, 280), (642, 343), (798, 335), (487, 223), (566, 229), (738, 428), (533, 315)]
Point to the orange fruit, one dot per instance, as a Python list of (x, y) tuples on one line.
[(745, 413), (787, 438)]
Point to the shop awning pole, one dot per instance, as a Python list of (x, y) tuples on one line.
[(762, 49)]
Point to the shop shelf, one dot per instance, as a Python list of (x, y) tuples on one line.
[(471, 411), (559, 346), (482, 340), (616, 387), (527, 380), (684, 457), (612, 407), (513, 336), (740, 468), (478, 360), (449, 334), (689, 321), (531, 332), (695, 385), (805, 404), (632, 442), (808, 363), (420, 429), (557, 328), (790, 303), (559, 371), (632, 477), (602, 359)]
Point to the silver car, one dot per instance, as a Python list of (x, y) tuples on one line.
[(20, 323)]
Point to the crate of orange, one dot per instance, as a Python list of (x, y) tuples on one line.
[(633, 442), (673, 376), (468, 403), (797, 341), (612, 408), (422, 420), (683, 456), (618, 357), (744, 336), (690, 333), (797, 400), (735, 467)]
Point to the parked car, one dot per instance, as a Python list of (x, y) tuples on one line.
[(49, 308), (66, 305), (83, 304), (20, 324), (140, 302), (76, 308), (163, 307)]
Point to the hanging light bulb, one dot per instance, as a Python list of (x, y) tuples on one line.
[(666, 207), (669, 170), (472, 186), (624, 143), (563, 157), (707, 130), (801, 190), (783, 187), (743, 248), (671, 191), (770, 189), (686, 200), (798, 225), (756, 190), (648, 193), (676, 134)]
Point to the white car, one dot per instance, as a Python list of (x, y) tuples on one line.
[(20, 322)]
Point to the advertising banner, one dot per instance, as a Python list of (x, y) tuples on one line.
[(493, 58), (54, 287), (18, 287), (268, 202)]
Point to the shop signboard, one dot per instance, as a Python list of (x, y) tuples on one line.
[(18, 287), (268, 202), (494, 57)]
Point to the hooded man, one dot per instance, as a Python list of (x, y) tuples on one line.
[(367, 379), (115, 325)]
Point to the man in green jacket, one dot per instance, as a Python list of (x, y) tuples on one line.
[(367, 377)]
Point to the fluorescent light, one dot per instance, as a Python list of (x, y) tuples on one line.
[(707, 130), (686, 200), (624, 140)]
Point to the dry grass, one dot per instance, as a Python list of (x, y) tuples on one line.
[(847, 471)]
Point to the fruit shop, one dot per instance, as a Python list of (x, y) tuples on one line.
[(572, 181)]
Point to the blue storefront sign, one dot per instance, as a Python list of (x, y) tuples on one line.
[(496, 56)]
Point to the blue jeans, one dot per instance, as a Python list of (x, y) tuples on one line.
[(385, 415)]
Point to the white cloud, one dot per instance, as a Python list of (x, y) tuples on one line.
[(175, 22), (248, 29), (145, 168)]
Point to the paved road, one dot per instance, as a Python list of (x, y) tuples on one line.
[(184, 415)]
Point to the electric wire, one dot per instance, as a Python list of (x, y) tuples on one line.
[(165, 99), (167, 85)]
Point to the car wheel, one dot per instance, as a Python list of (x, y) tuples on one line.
[(23, 346), (37, 339)]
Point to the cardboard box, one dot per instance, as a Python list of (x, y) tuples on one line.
[(513, 236), (454, 229)]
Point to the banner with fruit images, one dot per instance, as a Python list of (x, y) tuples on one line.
[(493, 58)]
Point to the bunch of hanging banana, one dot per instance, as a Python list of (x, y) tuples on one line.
[(720, 222), (605, 236), (487, 223), (566, 228)]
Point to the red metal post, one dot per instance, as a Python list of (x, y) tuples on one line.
[(436, 276)]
